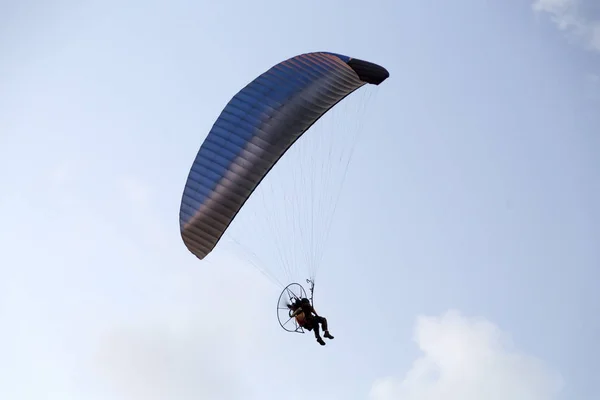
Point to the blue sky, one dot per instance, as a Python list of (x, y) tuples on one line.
[(463, 261)]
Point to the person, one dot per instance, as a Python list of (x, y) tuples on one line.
[(309, 319)]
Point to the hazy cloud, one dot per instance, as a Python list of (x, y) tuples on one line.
[(135, 191), (592, 86), (61, 174), (468, 359), (61, 180), (578, 18), (201, 346), (143, 212)]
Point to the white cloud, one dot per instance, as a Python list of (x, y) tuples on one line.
[(202, 344), (135, 191), (468, 359), (61, 174), (152, 362), (144, 213), (574, 17), (61, 180)]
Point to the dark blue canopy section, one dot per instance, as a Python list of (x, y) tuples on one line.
[(253, 132)]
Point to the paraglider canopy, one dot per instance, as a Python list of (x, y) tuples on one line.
[(253, 132)]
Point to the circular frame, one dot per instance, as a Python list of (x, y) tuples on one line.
[(290, 292)]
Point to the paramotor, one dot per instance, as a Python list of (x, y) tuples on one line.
[(253, 132), (294, 292)]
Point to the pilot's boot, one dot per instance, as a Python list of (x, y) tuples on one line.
[(327, 335), (321, 341)]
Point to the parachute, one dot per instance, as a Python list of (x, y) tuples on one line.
[(258, 126)]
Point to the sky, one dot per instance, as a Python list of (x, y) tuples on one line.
[(463, 260)]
